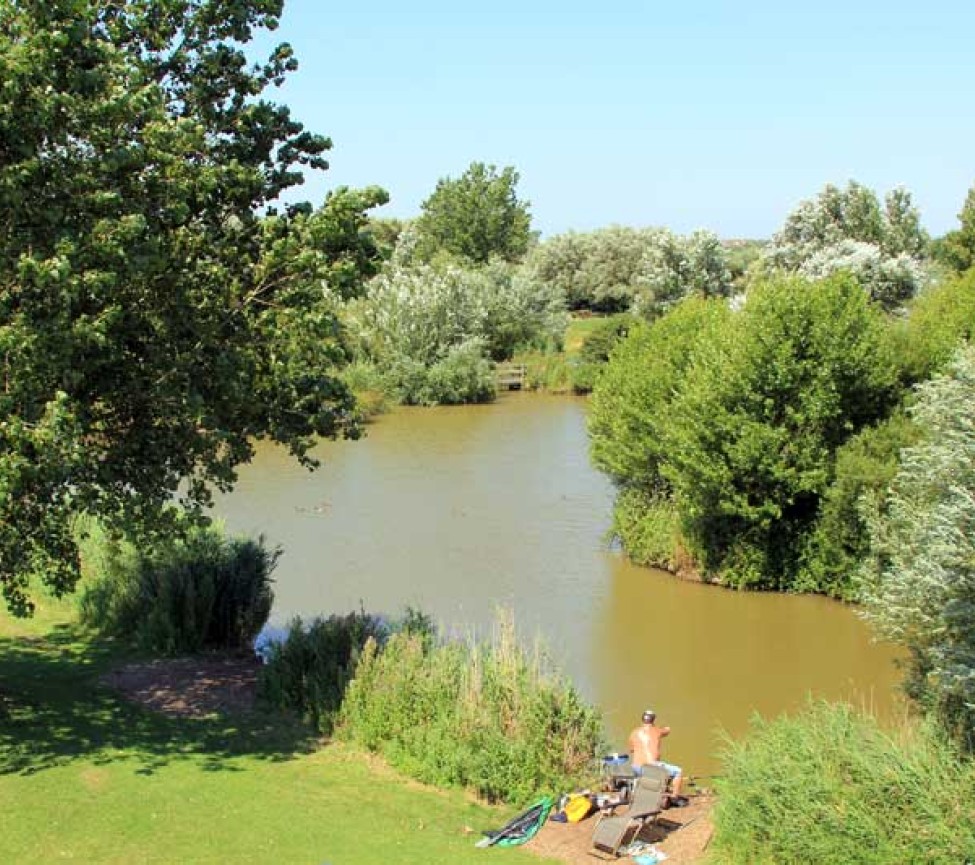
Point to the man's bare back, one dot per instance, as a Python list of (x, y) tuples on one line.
[(645, 749), (645, 744)]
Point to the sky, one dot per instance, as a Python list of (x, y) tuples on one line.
[(686, 114)]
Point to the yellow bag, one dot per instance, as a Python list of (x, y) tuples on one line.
[(578, 807)]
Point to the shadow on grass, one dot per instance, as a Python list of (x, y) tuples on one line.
[(53, 710)]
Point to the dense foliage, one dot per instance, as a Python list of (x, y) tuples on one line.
[(487, 716), (732, 421), (848, 230), (630, 407), (617, 268), (307, 672), (864, 465), (919, 579), (596, 270), (675, 267), (152, 324), (829, 786), (475, 217), (939, 319), (201, 591), (432, 331)]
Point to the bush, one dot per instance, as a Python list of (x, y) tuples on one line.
[(749, 440), (938, 320), (463, 375), (202, 591), (648, 527), (486, 716), (630, 405), (308, 672), (848, 230), (829, 786), (839, 542)]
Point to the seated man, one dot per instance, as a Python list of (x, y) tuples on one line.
[(645, 750)]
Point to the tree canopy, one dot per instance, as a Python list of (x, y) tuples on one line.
[(152, 321), (476, 216), (919, 579), (728, 422), (847, 229)]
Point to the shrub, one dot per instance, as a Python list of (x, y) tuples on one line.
[(749, 441), (201, 591), (308, 672), (486, 716), (631, 403), (596, 270), (839, 542), (648, 527), (848, 230), (939, 319), (829, 786), (463, 375), (676, 267)]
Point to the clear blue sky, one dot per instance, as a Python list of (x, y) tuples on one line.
[(693, 114)]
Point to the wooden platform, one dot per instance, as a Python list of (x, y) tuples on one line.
[(510, 376)]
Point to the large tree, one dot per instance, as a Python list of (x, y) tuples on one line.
[(476, 216), (754, 428), (848, 230), (919, 580), (152, 321)]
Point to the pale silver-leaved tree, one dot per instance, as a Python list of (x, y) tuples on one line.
[(676, 266), (919, 581), (847, 229)]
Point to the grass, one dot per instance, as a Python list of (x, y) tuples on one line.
[(580, 327), (830, 786), (553, 371), (88, 777)]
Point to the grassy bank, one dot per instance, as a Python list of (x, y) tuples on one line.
[(829, 785), (86, 776)]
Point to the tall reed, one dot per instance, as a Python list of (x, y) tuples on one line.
[(308, 672), (830, 786), (198, 591), (488, 715)]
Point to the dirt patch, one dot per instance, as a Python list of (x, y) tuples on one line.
[(189, 687), (683, 834)]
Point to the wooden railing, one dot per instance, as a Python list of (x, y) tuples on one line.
[(510, 376)]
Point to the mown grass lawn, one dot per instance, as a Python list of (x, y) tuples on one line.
[(88, 777)]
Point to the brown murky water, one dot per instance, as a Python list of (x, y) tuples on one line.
[(458, 510)]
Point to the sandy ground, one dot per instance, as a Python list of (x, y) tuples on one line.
[(196, 687), (189, 687), (683, 834)]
